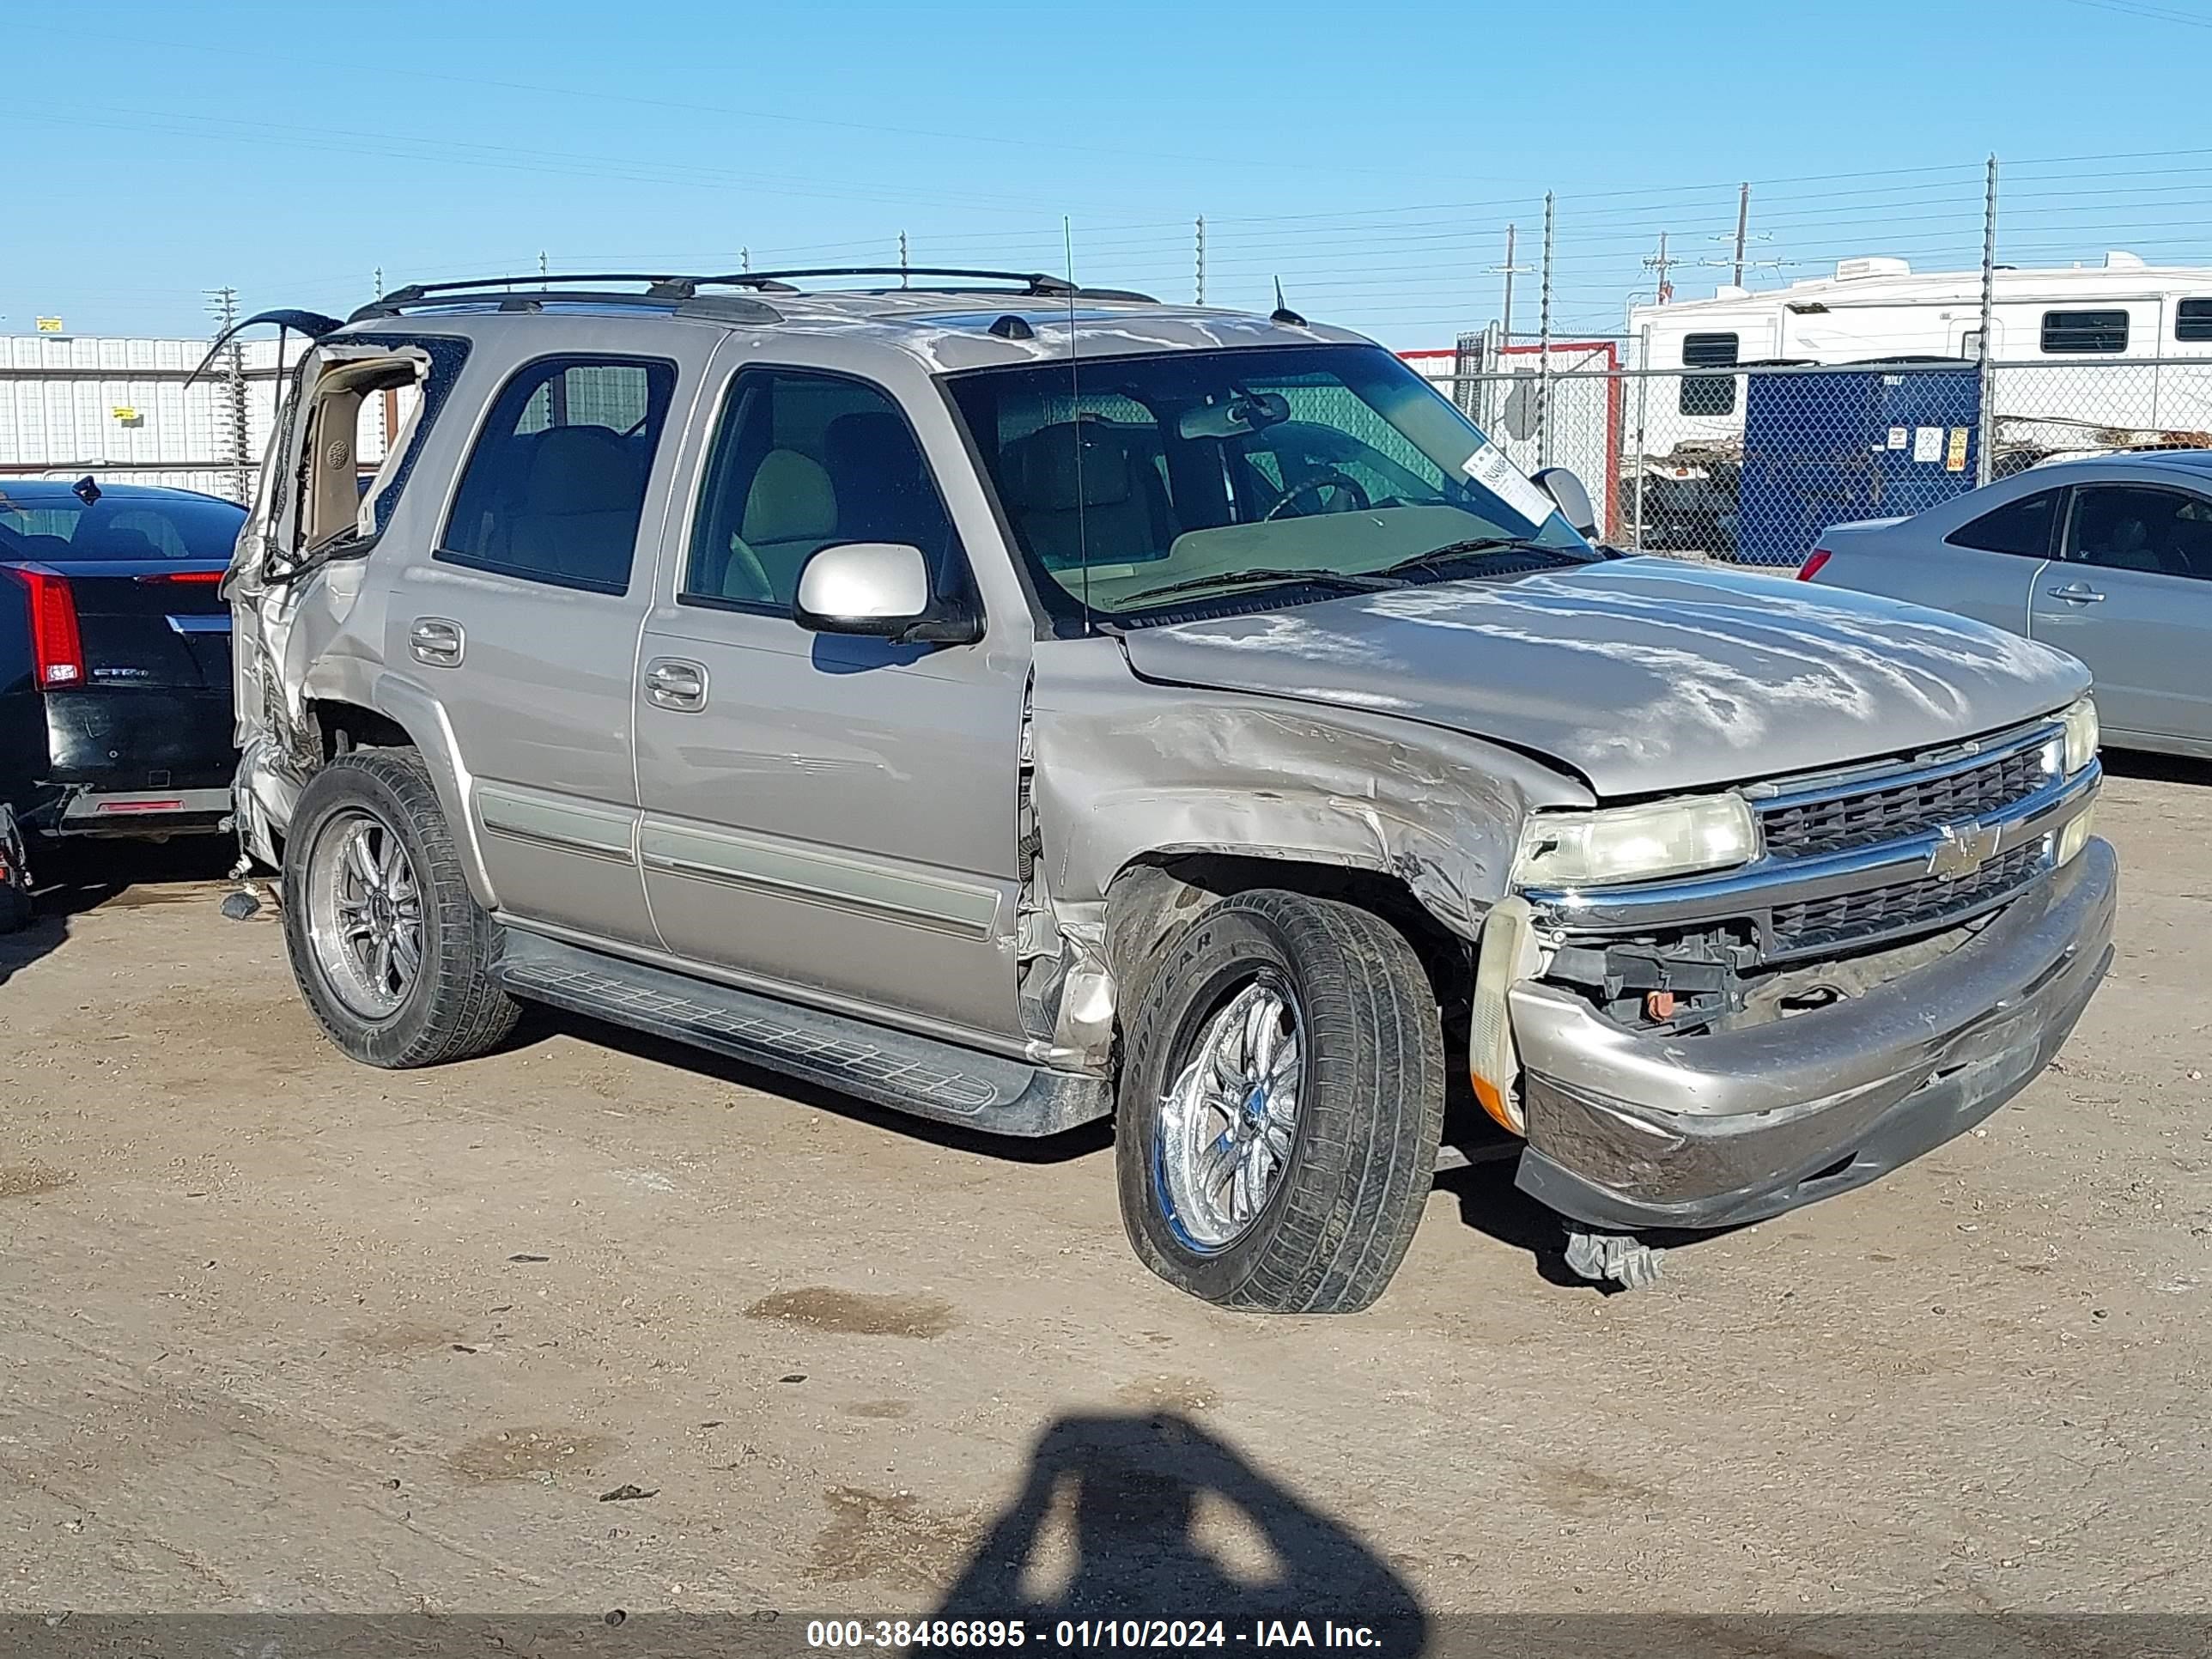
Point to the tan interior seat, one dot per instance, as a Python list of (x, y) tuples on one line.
[(1078, 495), (791, 510)]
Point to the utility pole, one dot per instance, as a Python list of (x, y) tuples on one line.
[(376, 281), (1662, 291), (744, 259), (544, 268), (1742, 224), (1544, 348), (222, 305), (903, 276), (1984, 460), (1201, 259), (1509, 270)]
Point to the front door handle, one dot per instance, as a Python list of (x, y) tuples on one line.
[(437, 641), (676, 685), (2077, 593)]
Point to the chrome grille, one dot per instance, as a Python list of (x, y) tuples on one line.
[(1826, 924), (1892, 808)]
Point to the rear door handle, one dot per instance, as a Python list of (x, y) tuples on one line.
[(435, 641), (2077, 593), (676, 685)]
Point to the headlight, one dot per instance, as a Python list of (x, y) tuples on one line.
[(2078, 736), (1637, 843)]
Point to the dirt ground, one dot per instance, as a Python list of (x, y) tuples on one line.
[(281, 1331)]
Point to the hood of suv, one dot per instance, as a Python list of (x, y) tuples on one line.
[(1645, 676)]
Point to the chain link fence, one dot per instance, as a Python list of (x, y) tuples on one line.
[(1747, 465)]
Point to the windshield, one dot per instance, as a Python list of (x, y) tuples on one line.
[(1145, 484), (56, 527)]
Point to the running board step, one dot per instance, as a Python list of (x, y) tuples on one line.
[(898, 1069)]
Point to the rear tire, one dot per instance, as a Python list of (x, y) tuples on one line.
[(1267, 993), (390, 948)]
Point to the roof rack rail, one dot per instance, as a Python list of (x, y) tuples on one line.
[(529, 291), (1036, 281), (661, 286)]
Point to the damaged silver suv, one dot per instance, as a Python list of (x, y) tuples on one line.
[(1017, 704)]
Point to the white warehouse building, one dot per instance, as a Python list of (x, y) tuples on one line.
[(120, 410)]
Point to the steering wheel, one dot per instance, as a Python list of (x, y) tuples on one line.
[(1312, 484)]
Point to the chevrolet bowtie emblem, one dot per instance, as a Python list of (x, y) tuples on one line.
[(1962, 849)]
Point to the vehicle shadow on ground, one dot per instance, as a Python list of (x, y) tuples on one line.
[(1488, 1201), (539, 1022), (2157, 768), (1142, 1515), (70, 881)]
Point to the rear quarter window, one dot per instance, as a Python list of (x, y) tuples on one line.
[(2022, 526)]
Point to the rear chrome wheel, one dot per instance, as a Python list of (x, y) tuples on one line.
[(365, 913), (392, 952)]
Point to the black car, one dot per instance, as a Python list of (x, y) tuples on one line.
[(114, 667)]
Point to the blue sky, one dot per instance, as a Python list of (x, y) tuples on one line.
[(1369, 156)]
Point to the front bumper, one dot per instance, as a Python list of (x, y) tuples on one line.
[(1638, 1132)]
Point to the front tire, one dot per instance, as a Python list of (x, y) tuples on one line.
[(390, 948), (1281, 1101)]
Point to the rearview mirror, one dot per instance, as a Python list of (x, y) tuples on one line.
[(1567, 494), (877, 588), (1245, 412)]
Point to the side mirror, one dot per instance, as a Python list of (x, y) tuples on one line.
[(1567, 494), (880, 589)]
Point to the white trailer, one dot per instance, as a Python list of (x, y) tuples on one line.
[(2103, 352)]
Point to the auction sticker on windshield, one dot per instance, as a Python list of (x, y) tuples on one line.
[(1488, 467)]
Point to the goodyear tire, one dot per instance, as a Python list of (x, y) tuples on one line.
[(391, 950), (1280, 1104)]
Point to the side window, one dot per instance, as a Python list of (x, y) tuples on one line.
[(2192, 320), (1709, 394), (555, 486), (2084, 330), (801, 460), (2022, 526), (2160, 532)]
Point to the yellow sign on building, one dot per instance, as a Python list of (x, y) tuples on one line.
[(50, 324)]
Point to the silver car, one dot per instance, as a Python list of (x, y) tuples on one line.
[(2109, 559), (1019, 705)]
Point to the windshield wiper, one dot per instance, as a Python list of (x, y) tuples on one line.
[(1478, 544), (1351, 582)]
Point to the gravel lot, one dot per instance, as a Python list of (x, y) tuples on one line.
[(282, 1332)]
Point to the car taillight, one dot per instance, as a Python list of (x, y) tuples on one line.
[(185, 576), (1811, 568), (57, 649)]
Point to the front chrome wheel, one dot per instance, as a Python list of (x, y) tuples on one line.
[(365, 914), (1224, 1130)]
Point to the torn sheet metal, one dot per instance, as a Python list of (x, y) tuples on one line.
[(1128, 771)]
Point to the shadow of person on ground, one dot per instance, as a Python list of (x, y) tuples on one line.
[(1136, 1516)]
